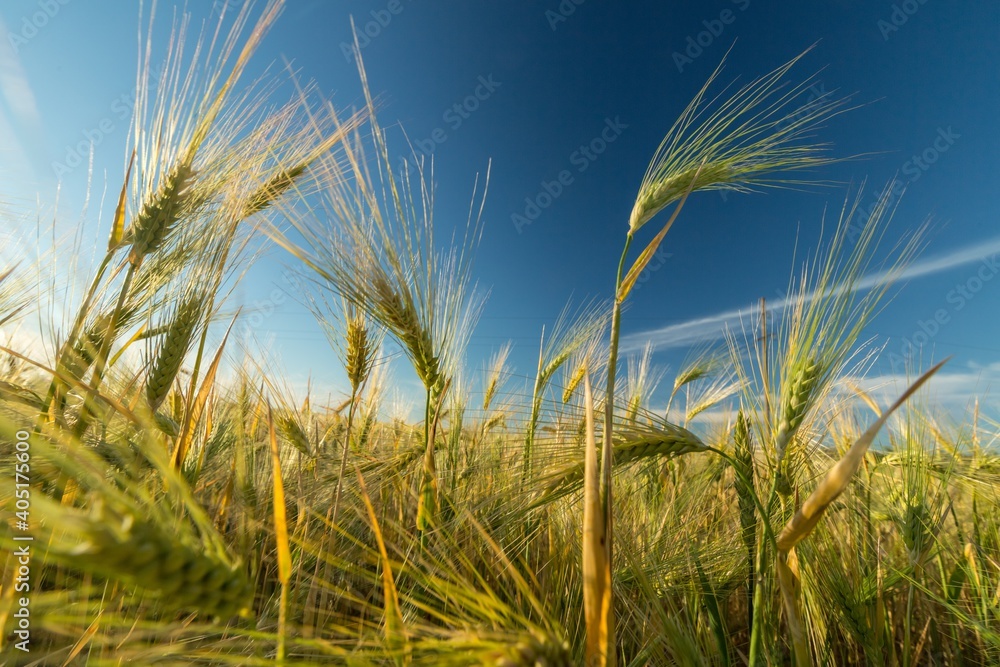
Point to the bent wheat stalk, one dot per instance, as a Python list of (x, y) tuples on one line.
[(809, 515)]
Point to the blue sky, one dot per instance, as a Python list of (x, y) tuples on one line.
[(538, 88)]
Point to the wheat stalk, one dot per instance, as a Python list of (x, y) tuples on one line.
[(358, 357), (743, 457)]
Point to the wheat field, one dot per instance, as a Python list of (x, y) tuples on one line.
[(181, 505)]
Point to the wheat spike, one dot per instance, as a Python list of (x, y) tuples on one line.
[(184, 576), (839, 476), (743, 457), (797, 397), (401, 318), (268, 193), (574, 383), (735, 145), (359, 355), (745, 491), (173, 349), (533, 650), (158, 216), (495, 375), (651, 442), (293, 432)]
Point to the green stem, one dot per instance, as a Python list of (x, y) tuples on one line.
[(536, 408), (428, 491), (907, 626), (83, 422), (616, 317), (756, 634), (343, 456)]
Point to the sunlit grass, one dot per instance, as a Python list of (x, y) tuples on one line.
[(526, 519)]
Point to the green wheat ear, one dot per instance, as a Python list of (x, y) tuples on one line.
[(360, 352), (176, 343), (182, 576), (293, 432), (735, 143), (647, 442), (161, 213)]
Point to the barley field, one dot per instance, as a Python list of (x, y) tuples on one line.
[(169, 500)]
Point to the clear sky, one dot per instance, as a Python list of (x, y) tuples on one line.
[(530, 85)]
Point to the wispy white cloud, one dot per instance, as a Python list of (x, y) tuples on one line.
[(24, 121), (952, 391), (714, 326), (953, 388)]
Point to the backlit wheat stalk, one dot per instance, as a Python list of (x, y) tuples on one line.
[(189, 505)]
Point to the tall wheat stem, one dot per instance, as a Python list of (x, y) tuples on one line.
[(616, 319), (536, 407), (758, 596), (604, 493), (83, 422), (343, 455), (426, 507)]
